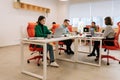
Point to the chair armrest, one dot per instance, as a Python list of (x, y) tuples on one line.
[(107, 41), (115, 42)]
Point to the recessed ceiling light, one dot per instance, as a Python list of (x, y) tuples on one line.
[(63, 0)]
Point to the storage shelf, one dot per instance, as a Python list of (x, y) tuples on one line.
[(20, 5)]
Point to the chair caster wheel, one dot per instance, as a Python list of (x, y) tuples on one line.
[(59, 53), (108, 63), (96, 59), (38, 64), (28, 61), (119, 62)]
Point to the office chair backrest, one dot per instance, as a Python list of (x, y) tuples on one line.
[(117, 36), (54, 27), (70, 28), (88, 26), (31, 29), (118, 32), (31, 33)]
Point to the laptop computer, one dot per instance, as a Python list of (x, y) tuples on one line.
[(92, 32), (58, 32), (85, 29)]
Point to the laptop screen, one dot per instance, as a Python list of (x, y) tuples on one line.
[(92, 31), (58, 32), (85, 29)]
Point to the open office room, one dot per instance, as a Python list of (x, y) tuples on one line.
[(15, 16)]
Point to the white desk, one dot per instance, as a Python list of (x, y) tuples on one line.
[(44, 43), (92, 39)]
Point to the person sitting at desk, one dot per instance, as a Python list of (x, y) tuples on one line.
[(42, 31), (68, 43), (54, 27), (93, 25), (108, 34), (90, 29)]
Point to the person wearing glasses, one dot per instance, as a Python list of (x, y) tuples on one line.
[(68, 43)]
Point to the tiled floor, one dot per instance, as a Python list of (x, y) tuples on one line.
[(10, 68)]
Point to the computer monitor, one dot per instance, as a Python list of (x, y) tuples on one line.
[(85, 29)]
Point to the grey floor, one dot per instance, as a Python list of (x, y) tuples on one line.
[(10, 68)]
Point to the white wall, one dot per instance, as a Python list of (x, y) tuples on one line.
[(62, 11), (12, 20)]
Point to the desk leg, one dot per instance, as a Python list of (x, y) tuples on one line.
[(99, 63), (80, 42), (100, 53), (56, 48), (28, 72), (90, 46), (76, 50), (45, 62)]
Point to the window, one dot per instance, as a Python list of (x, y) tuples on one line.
[(97, 20), (116, 20), (75, 22), (80, 23)]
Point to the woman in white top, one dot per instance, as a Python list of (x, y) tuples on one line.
[(108, 34)]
